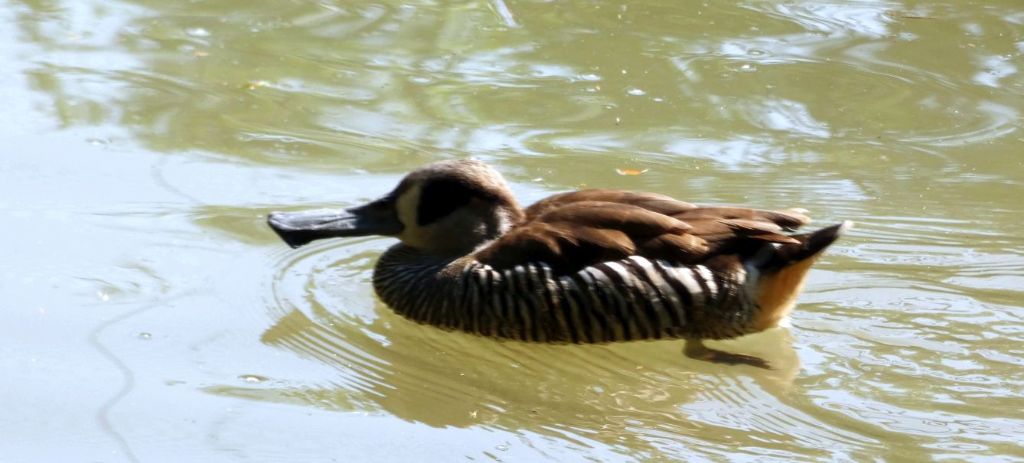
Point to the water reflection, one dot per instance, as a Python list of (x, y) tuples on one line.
[(456, 78), (632, 398)]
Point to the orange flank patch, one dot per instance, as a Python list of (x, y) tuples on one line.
[(777, 293)]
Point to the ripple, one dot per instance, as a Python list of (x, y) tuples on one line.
[(627, 397), (849, 49), (903, 118), (890, 89), (749, 409), (787, 116), (921, 423), (869, 19)]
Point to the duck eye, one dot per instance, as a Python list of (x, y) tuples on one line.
[(440, 198)]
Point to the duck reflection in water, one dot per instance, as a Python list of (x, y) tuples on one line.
[(614, 395)]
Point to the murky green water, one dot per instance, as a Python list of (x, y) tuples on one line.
[(148, 314)]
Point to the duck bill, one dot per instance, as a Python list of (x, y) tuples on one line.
[(303, 227)]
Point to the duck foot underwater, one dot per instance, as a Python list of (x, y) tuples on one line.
[(590, 266), (695, 349)]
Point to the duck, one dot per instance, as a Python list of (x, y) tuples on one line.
[(590, 266)]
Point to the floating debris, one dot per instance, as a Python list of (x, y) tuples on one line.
[(253, 85), (631, 171), (253, 379)]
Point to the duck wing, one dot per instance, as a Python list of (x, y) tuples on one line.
[(651, 201), (574, 230)]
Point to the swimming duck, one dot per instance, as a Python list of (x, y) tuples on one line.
[(590, 266)]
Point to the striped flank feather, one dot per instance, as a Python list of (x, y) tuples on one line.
[(629, 299)]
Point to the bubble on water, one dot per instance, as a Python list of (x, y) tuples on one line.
[(636, 92), (253, 379), (144, 336), (197, 32), (502, 447), (748, 68)]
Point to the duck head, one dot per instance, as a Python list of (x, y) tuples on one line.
[(444, 208)]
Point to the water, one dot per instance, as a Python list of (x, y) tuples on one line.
[(148, 313)]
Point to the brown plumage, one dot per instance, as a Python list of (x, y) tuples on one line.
[(584, 266), (571, 231)]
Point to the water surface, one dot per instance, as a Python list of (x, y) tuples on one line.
[(148, 313)]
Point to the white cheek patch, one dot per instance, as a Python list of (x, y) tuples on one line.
[(406, 206)]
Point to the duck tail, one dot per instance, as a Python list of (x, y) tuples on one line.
[(782, 269), (783, 256)]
